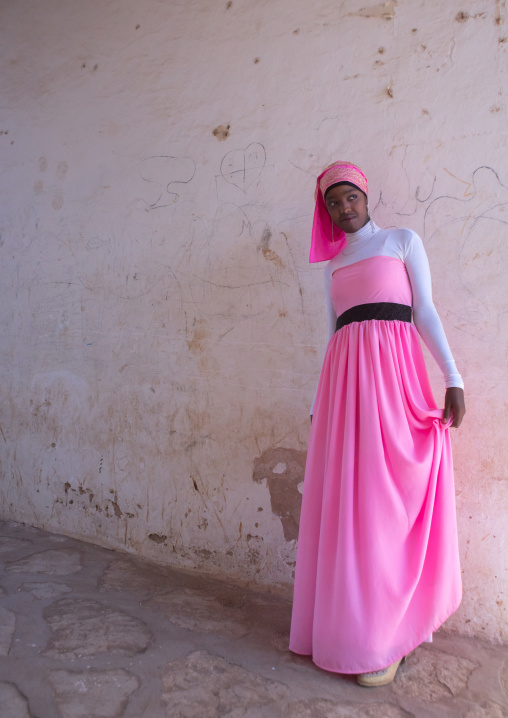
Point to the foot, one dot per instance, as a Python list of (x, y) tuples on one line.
[(379, 678)]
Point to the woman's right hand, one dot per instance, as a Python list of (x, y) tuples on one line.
[(454, 407)]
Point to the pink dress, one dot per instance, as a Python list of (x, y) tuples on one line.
[(377, 565)]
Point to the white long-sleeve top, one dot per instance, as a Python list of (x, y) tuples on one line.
[(406, 245)]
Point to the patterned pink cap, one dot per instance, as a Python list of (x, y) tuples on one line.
[(343, 172)]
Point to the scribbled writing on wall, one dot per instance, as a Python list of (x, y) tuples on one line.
[(242, 167), (164, 173)]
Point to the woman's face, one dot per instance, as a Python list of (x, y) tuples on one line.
[(347, 206)]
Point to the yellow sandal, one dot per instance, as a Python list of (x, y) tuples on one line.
[(380, 678)]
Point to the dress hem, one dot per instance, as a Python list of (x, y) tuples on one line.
[(398, 656)]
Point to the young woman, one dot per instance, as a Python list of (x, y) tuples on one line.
[(377, 564)]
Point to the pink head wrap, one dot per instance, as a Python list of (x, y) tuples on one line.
[(327, 242)]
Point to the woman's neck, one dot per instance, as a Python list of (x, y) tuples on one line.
[(358, 239)]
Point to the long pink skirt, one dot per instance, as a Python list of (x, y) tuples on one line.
[(377, 564)]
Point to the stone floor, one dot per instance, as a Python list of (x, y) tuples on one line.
[(90, 633)]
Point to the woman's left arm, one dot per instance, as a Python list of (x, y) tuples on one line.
[(431, 330)]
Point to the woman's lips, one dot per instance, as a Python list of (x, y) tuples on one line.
[(348, 218)]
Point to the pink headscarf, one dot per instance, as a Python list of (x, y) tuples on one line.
[(327, 242)]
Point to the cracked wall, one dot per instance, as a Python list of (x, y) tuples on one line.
[(162, 330)]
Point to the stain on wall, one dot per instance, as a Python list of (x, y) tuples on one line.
[(283, 470), (384, 10), (221, 132)]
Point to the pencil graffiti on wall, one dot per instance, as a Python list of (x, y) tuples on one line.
[(164, 173), (242, 167)]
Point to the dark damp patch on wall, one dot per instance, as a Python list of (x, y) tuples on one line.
[(283, 470)]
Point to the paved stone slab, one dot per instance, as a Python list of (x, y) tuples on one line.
[(205, 686), (13, 704), (55, 562), (322, 708), (196, 611), (121, 575), (56, 538), (503, 677), (110, 630), (7, 627), (46, 590), (281, 642), (433, 675), (82, 627), (487, 709), (93, 694), (8, 545)]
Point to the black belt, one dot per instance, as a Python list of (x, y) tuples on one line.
[(377, 310)]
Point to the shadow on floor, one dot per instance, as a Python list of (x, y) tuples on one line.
[(91, 633)]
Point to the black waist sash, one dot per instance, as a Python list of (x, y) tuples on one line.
[(377, 310)]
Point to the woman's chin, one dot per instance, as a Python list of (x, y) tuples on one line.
[(351, 226)]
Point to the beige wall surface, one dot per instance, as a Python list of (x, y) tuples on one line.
[(162, 330)]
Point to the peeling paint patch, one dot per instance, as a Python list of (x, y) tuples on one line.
[(462, 16), (116, 509), (196, 343), (384, 10), (272, 256), (264, 246), (265, 238), (283, 470), (221, 132)]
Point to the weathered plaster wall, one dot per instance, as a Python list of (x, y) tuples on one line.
[(162, 330)]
